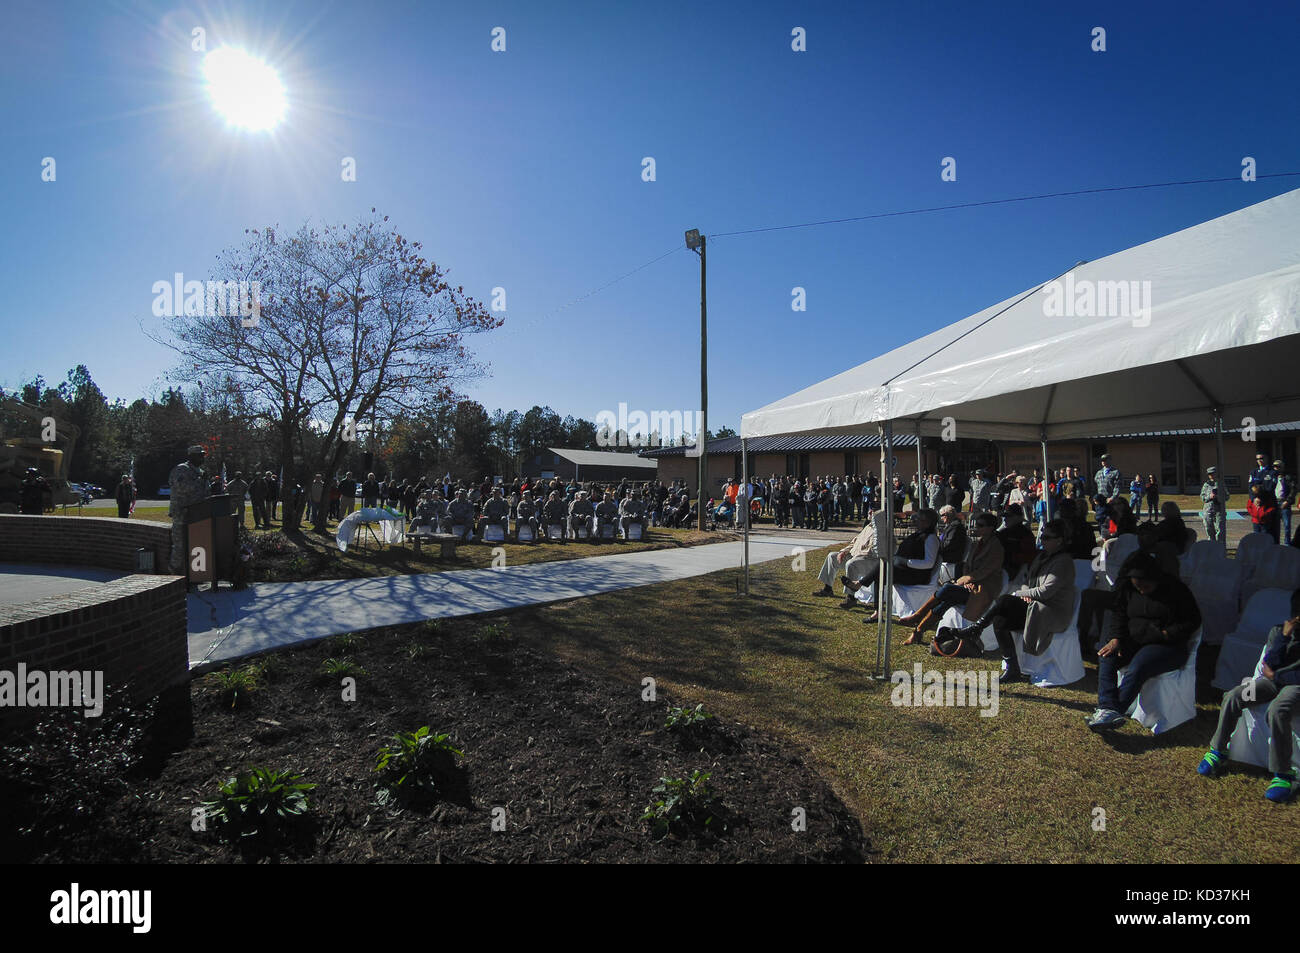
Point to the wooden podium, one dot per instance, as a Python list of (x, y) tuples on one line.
[(209, 526)]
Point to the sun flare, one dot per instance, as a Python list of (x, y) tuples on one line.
[(244, 90)]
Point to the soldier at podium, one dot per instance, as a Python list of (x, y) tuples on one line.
[(188, 486)]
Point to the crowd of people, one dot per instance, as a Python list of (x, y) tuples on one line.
[(1144, 624)]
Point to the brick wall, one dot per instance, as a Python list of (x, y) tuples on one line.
[(133, 629), (83, 541)]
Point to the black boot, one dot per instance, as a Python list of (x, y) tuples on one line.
[(1011, 670)]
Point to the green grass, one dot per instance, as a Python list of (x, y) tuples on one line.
[(932, 785)]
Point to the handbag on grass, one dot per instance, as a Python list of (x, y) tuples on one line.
[(951, 643)]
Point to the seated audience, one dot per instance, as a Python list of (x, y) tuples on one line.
[(853, 562), (914, 560), (632, 510), (1152, 619), (1041, 607), (974, 591), (607, 515), (582, 515)]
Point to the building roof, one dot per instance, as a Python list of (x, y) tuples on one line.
[(1289, 427), (602, 458), (789, 444)]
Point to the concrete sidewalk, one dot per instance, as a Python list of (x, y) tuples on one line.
[(228, 625)]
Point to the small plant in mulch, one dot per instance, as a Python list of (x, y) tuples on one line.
[(271, 544), (269, 668), (682, 719), (237, 684), (260, 808), (345, 643), (495, 631), (685, 807), (415, 649), (696, 728), (343, 667), (415, 768)]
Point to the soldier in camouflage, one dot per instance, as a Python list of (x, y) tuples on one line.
[(188, 486), (632, 511), (460, 512), (581, 515), (526, 513), (495, 510), (607, 515), (556, 513)]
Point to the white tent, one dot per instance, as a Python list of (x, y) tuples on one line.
[(1201, 319), (1194, 328)]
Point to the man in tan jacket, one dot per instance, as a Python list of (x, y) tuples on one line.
[(856, 561)]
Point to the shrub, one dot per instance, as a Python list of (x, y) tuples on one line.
[(685, 805), (259, 805), (412, 768)]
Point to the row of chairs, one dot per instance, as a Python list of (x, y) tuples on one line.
[(496, 532)]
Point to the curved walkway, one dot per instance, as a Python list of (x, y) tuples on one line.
[(231, 624)]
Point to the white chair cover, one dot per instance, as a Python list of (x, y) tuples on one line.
[(1167, 700), (1249, 550), (1113, 554), (954, 618), (906, 600), (554, 531), (524, 532), (494, 533), (459, 531), (1062, 663), (633, 531), (1215, 589), (1242, 647), (1277, 567), (1249, 742), (607, 530), (1205, 558)]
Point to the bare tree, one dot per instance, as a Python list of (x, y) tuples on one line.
[(354, 325)]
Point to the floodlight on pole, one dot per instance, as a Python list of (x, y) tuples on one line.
[(695, 242)]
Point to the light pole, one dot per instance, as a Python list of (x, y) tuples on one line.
[(695, 242)]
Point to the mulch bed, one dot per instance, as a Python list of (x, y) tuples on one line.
[(571, 757)]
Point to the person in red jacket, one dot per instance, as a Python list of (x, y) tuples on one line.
[(1264, 513)]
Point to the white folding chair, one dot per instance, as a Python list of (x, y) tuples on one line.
[(1241, 647), (1249, 551), (1205, 558), (1277, 567), (1113, 553), (1062, 662), (1215, 589), (1250, 740), (1168, 700)]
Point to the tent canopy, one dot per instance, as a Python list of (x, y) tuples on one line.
[(1201, 319)]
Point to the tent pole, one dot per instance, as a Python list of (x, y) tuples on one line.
[(920, 489), (885, 549), (1047, 493), (744, 481), (1219, 471)]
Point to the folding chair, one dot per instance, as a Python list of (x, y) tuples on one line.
[(1242, 646), (1167, 700), (1250, 740)]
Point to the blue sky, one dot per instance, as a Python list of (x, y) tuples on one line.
[(522, 169)]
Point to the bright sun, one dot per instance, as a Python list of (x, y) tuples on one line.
[(246, 91)]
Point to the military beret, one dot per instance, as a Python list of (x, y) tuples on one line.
[(196, 449)]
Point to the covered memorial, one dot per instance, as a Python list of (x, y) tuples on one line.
[(1193, 329)]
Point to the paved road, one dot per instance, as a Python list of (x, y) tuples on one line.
[(228, 625)]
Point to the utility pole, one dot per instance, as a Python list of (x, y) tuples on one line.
[(695, 242)]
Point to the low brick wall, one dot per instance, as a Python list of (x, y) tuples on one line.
[(83, 541), (132, 629)]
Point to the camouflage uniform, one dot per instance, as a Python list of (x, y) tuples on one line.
[(580, 514), (495, 510), (526, 514), (555, 512), (188, 486), (606, 512), (633, 511), (1214, 505), (460, 512)]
